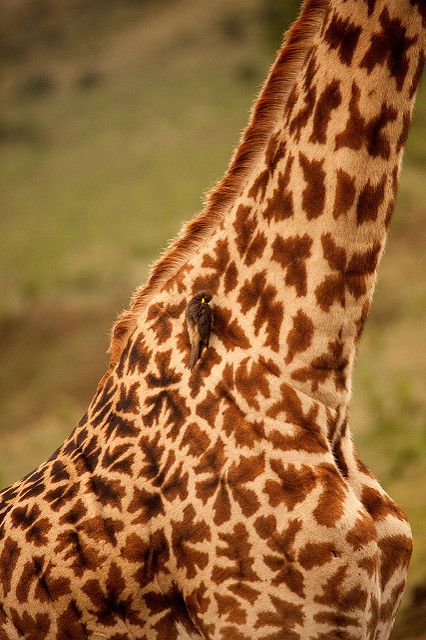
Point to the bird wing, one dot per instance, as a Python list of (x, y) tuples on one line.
[(205, 324)]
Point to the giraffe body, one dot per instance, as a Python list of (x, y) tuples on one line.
[(227, 502)]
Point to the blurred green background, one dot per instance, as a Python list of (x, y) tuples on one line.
[(115, 118)]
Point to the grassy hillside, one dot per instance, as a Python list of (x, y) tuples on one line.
[(113, 123)]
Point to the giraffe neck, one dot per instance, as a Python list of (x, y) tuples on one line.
[(317, 206), (291, 238)]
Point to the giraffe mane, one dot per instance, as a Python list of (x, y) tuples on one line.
[(269, 104)]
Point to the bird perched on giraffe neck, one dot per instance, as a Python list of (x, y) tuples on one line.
[(199, 320)]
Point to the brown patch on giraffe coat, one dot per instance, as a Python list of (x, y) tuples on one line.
[(345, 193), (291, 103), (240, 571), (388, 608), (246, 433), (118, 459), (307, 435), (251, 380), (389, 46), (209, 407), (270, 313), (59, 472), (379, 505), (369, 201), (283, 560), (108, 491), (49, 588), (81, 555), (31, 627), (218, 264), (259, 185), (255, 249), (244, 225), (362, 532), (371, 6), (202, 371), (291, 253), (250, 241), (293, 486), (280, 204), (377, 141), (174, 609), (153, 454), (334, 423), (359, 131), (28, 519), (102, 529), (336, 596), (71, 625), (343, 35), (229, 331), (129, 400), (299, 338), (169, 400), (348, 275), (266, 526), (329, 100), (396, 553), (313, 196), (166, 485), (214, 486), (250, 292), (196, 439), (61, 496), (301, 118), (150, 556), (246, 470), (185, 534), (161, 315), (316, 554), (30, 573), (139, 356), (8, 559), (330, 505), (103, 396), (335, 623), (284, 617), (231, 274), (231, 610), (275, 151), (370, 565), (110, 601), (330, 364), (232, 633), (117, 427)]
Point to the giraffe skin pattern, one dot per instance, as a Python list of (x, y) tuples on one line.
[(228, 502)]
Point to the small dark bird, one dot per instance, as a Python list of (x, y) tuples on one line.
[(199, 321)]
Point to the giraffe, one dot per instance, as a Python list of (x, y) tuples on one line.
[(227, 501)]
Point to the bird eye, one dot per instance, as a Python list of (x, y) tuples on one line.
[(203, 299)]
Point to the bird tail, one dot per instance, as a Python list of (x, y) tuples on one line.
[(195, 353)]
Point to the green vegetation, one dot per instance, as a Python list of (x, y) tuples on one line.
[(110, 131)]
